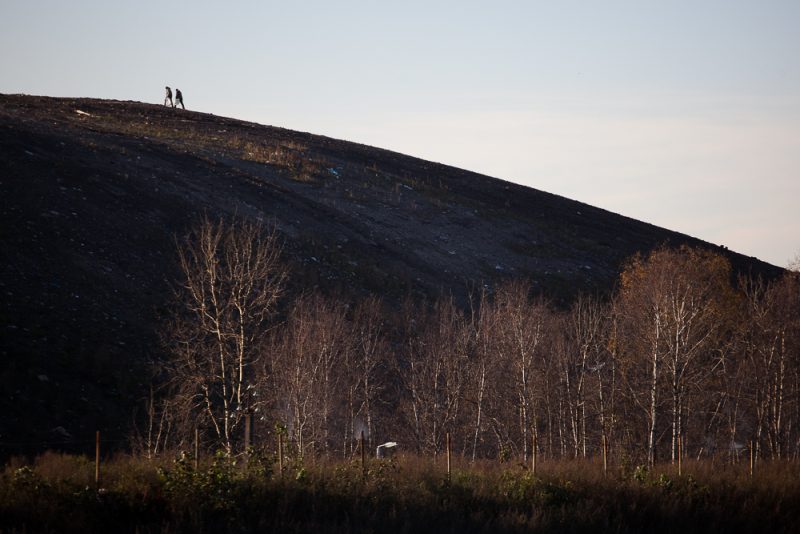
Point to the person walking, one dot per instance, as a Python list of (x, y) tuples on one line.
[(178, 98), (168, 98)]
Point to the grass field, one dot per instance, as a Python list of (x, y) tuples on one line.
[(57, 493)]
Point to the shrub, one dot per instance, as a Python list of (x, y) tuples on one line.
[(410, 494)]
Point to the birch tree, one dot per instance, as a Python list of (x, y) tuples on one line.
[(673, 303), (368, 355), (231, 280), (522, 326), (772, 338), (584, 361), (436, 372), (483, 366), (312, 346)]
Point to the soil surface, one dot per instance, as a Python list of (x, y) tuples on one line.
[(95, 193)]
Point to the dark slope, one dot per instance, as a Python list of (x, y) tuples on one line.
[(94, 192)]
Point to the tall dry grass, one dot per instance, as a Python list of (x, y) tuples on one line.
[(56, 493)]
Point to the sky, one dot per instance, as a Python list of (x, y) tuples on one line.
[(683, 114)]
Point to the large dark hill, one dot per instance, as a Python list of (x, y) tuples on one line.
[(94, 193)]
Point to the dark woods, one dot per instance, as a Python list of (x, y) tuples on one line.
[(681, 359)]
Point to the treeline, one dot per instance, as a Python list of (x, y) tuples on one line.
[(683, 358)]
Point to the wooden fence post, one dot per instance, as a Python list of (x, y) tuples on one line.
[(363, 456), (605, 455), (447, 446), (97, 459), (280, 454)]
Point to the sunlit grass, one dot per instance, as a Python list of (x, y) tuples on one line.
[(56, 492)]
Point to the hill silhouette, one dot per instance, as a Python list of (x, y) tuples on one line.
[(96, 191)]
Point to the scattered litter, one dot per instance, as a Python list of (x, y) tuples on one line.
[(333, 172), (79, 112)]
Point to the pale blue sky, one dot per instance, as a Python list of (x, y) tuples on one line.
[(685, 114)]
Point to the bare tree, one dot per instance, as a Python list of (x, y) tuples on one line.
[(159, 431), (667, 358), (312, 346), (436, 371), (369, 352), (483, 365), (583, 360), (771, 337), (673, 304), (522, 329), (232, 277)]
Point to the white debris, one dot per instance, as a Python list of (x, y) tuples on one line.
[(79, 112), (386, 450)]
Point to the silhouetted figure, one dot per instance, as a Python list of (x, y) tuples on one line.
[(179, 98), (168, 98)]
